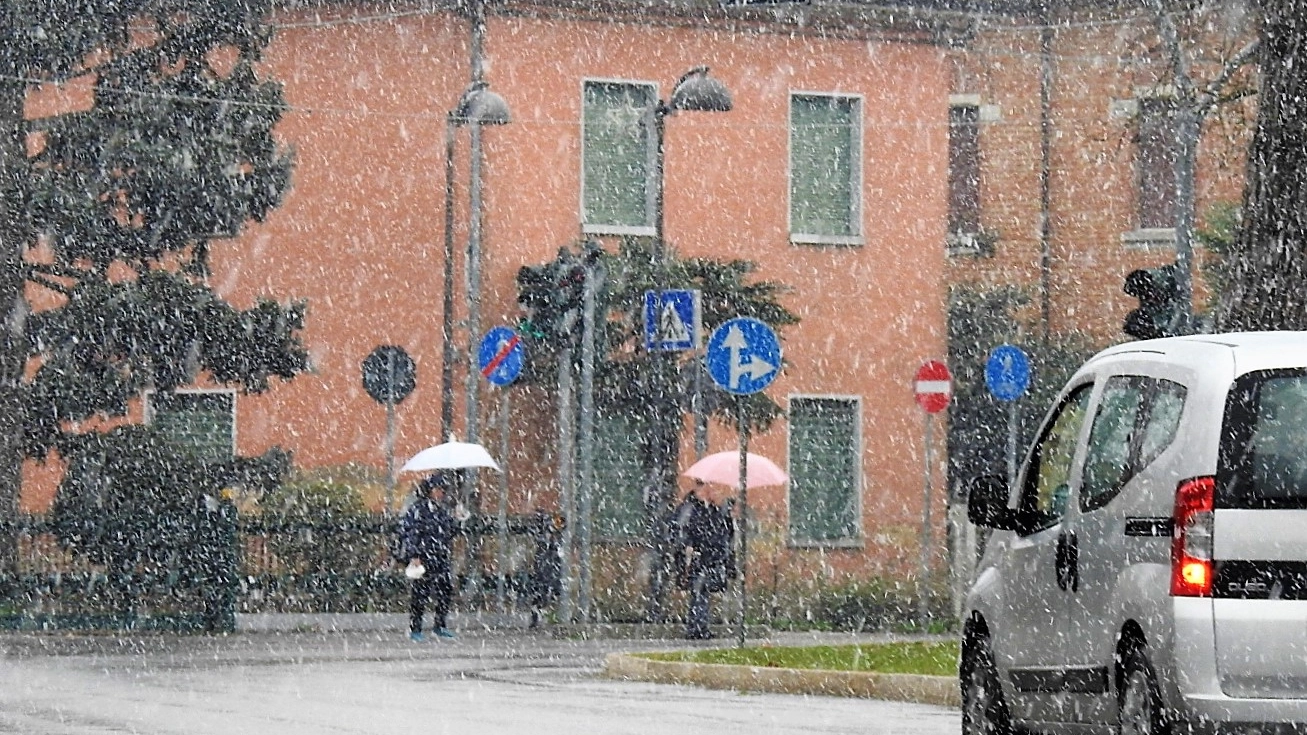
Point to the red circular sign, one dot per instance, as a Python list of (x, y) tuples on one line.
[(933, 386)]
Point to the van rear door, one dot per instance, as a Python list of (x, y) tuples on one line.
[(1259, 544)]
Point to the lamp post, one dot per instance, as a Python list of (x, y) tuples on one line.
[(476, 107), (695, 91)]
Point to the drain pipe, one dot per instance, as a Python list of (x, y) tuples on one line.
[(1045, 171)]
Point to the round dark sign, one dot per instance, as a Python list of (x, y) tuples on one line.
[(389, 374)]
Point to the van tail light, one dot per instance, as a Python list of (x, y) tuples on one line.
[(1191, 538)]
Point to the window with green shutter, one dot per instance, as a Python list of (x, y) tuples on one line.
[(202, 420), (825, 502), (825, 169), (619, 513), (617, 158)]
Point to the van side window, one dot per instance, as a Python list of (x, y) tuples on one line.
[(1136, 420), (1047, 484), (1116, 424), (1164, 408)]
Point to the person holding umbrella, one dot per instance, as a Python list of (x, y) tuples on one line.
[(427, 533), (703, 556)]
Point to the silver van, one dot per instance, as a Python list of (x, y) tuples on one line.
[(1147, 570)]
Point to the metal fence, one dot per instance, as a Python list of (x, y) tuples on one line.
[(275, 567)]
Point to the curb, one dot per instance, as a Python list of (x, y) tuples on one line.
[(937, 690)]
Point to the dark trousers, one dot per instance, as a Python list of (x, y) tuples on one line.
[(700, 613), (436, 588)]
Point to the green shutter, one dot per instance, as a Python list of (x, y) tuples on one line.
[(617, 155), (823, 169), (205, 422), (823, 470), (619, 479)]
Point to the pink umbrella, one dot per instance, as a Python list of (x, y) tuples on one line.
[(723, 468)]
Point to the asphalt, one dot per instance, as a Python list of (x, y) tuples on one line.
[(937, 690)]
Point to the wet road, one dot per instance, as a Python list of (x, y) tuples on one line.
[(370, 683)]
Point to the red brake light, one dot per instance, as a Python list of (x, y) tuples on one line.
[(1191, 538)]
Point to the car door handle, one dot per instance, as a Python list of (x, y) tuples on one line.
[(1068, 562)]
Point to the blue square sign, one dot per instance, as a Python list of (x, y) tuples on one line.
[(671, 320)]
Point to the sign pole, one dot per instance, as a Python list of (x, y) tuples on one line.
[(501, 583), (390, 453), (744, 517), (923, 579), (933, 386)]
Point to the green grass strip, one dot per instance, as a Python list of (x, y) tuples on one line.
[(934, 658)]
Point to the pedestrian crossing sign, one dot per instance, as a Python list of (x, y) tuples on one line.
[(671, 320)]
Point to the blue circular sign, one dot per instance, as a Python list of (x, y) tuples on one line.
[(1007, 372), (500, 356), (743, 355)]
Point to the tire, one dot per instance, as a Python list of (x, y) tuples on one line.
[(1139, 704), (983, 710)]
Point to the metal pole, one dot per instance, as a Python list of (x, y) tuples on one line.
[(447, 303), (567, 496), (923, 579), (390, 448), (744, 518), (585, 472), (473, 288), (1189, 128), (501, 590), (1011, 443)]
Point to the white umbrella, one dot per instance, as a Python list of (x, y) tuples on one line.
[(452, 455)]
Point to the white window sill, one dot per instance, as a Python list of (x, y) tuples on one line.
[(840, 240), (622, 230), (1149, 238)]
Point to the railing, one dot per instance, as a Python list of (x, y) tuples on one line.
[(279, 567)]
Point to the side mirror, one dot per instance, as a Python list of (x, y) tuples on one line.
[(987, 503)]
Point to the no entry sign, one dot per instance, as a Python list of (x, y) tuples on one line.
[(933, 386)]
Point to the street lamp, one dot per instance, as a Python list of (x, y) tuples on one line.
[(695, 91), (476, 107)]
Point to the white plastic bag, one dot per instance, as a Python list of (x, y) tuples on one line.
[(414, 570)]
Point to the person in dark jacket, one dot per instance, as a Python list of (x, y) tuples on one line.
[(427, 530), (546, 579), (703, 557)]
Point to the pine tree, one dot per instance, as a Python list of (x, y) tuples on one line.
[(110, 206)]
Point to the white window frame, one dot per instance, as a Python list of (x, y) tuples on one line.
[(603, 228), (856, 184), (150, 410), (858, 539)]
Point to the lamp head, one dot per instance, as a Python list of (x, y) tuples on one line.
[(697, 92), (480, 106)]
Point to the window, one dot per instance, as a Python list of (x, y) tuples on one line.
[(963, 174), (825, 469), (205, 421), (619, 511), (1156, 162), (1047, 484), (1263, 461), (825, 169), (1107, 459), (617, 153)]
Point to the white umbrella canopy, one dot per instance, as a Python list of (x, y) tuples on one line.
[(451, 455)]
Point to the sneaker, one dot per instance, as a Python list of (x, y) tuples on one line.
[(416, 637), (445, 633)]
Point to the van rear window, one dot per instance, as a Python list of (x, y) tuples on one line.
[(1263, 460)]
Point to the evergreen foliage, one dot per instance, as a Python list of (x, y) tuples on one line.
[(110, 208), (979, 321)]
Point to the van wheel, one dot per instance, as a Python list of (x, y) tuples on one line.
[(983, 710), (1140, 705)]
